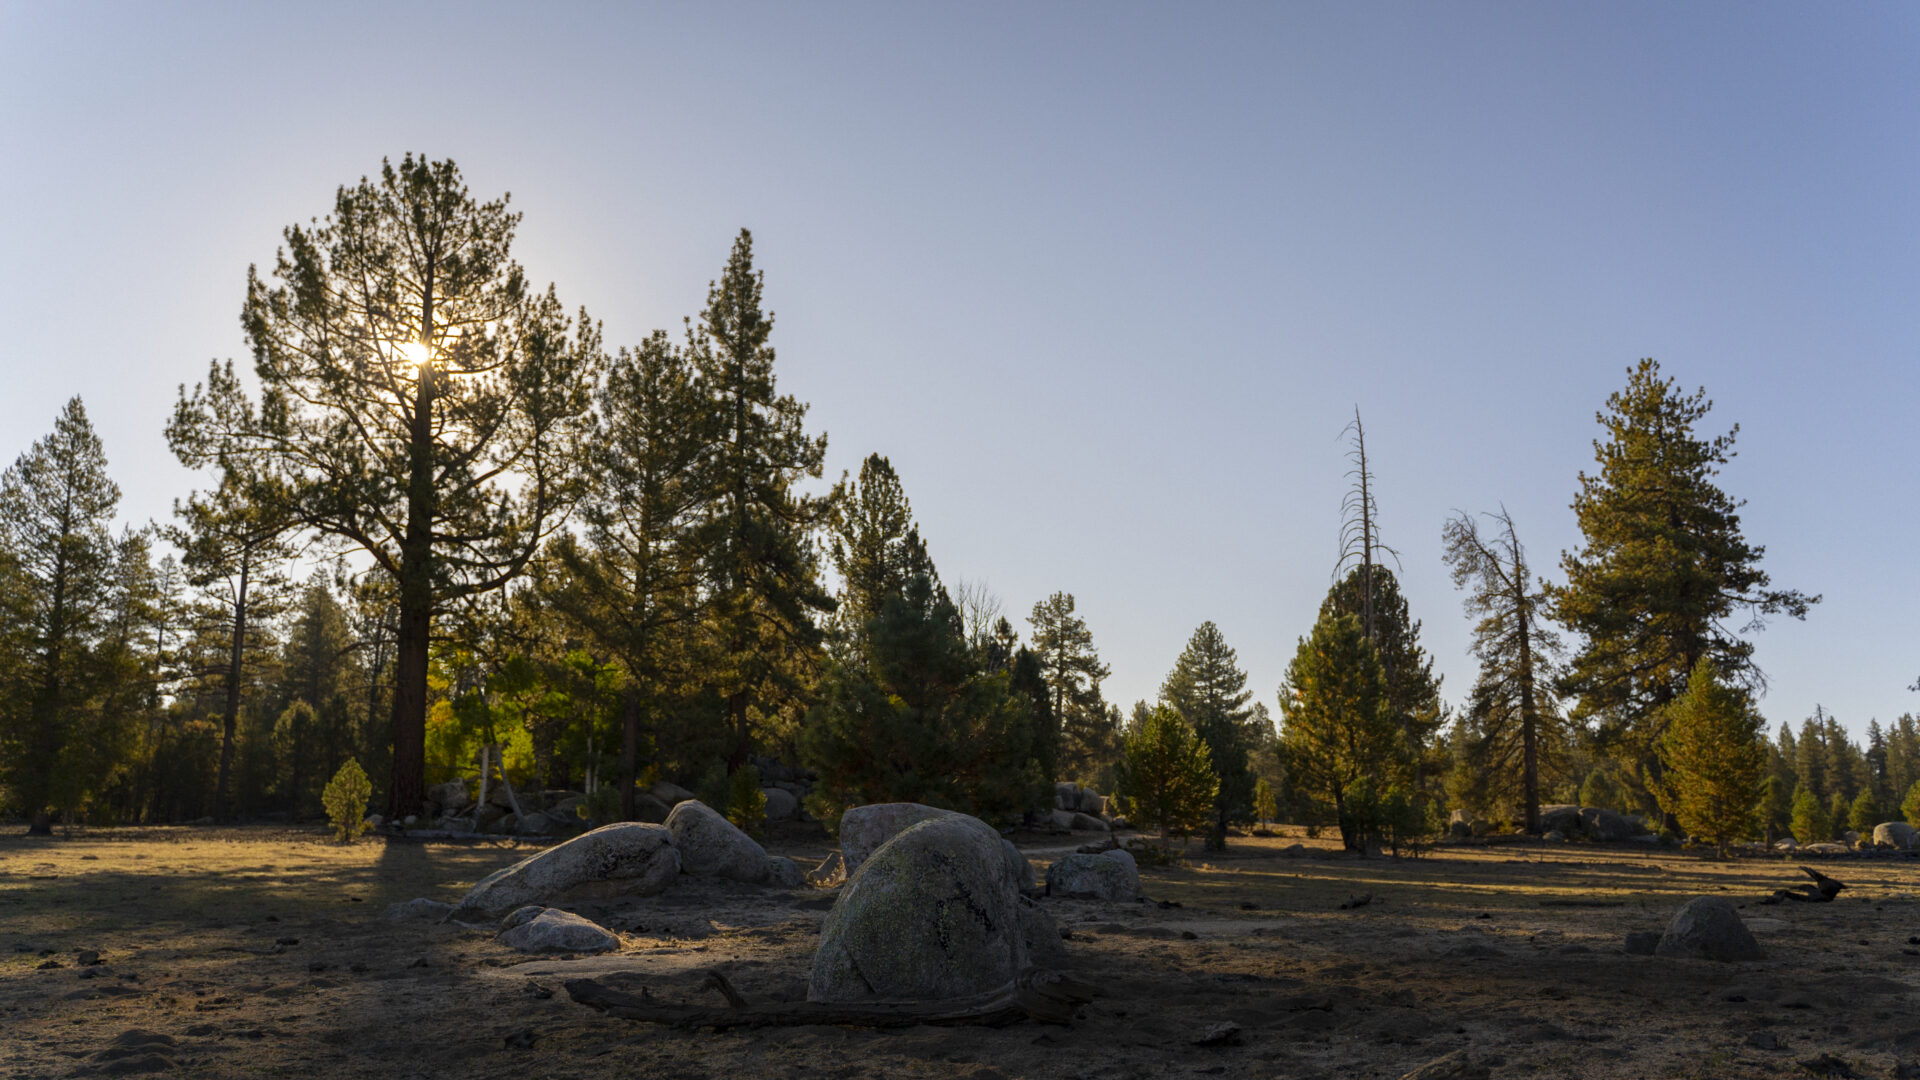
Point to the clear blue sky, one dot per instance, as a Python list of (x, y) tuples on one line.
[(1104, 281)]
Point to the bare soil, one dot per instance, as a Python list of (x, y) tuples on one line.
[(262, 952)]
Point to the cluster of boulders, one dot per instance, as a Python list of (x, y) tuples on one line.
[(631, 858), (1081, 808), (934, 905), (450, 807), (1886, 837), (1564, 822)]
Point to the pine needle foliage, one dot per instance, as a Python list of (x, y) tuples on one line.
[(1209, 691), (1663, 568), (1167, 778), (1715, 754), (1335, 725), (345, 799)]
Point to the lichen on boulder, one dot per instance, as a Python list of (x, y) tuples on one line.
[(932, 915)]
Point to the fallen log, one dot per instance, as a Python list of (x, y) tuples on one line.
[(1822, 891), (1048, 997)]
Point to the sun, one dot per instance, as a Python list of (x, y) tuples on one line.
[(416, 354)]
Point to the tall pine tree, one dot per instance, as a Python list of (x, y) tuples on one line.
[(56, 509), (1663, 568), (1209, 691), (1089, 737), (761, 571)]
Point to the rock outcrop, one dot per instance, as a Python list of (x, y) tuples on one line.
[(542, 929), (864, 828), (709, 844), (1708, 928), (1111, 875), (630, 858), (932, 915)]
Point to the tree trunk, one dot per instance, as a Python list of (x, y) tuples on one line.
[(230, 717), (1530, 780), (407, 776), (629, 752)]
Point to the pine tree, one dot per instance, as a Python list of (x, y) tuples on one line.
[(1166, 776), (1089, 738), (1810, 754), (1209, 691), (1664, 565), (1910, 805), (1335, 724), (418, 402), (56, 507), (235, 549), (759, 567), (1864, 814), (1837, 809), (631, 588), (910, 710), (1811, 825), (1776, 806), (1715, 757), (1513, 709)]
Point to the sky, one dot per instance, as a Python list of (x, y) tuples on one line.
[(1104, 281)]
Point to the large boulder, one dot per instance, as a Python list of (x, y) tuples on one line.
[(1560, 818), (781, 804), (648, 808), (670, 793), (452, 796), (1091, 802), (631, 858), (1094, 877), (932, 915), (1022, 869), (864, 828), (1041, 935), (1708, 928), (709, 844), (1895, 834), (1066, 796), (1606, 825), (538, 929)]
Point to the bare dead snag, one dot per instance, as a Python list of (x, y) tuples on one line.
[(1047, 997)]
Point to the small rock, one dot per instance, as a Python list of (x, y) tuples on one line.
[(417, 908), (1224, 1033), (1708, 927), (552, 930), (1642, 943), (831, 871), (1765, 1040), (520, 1040), (87, 957)]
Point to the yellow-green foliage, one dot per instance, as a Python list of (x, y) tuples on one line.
[(1910, 806), (746, 803), (1167, 777), (1811, 825), (1715, 757), (1265, 806), (346, 801)]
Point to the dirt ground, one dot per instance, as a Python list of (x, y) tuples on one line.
[(262, 952)]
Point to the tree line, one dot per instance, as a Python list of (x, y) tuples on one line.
[(442, 515)]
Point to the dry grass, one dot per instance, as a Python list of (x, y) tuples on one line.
[(1491, 950)]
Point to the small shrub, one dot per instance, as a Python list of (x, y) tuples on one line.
[(746, 803), (602, 806), (346, 801)]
